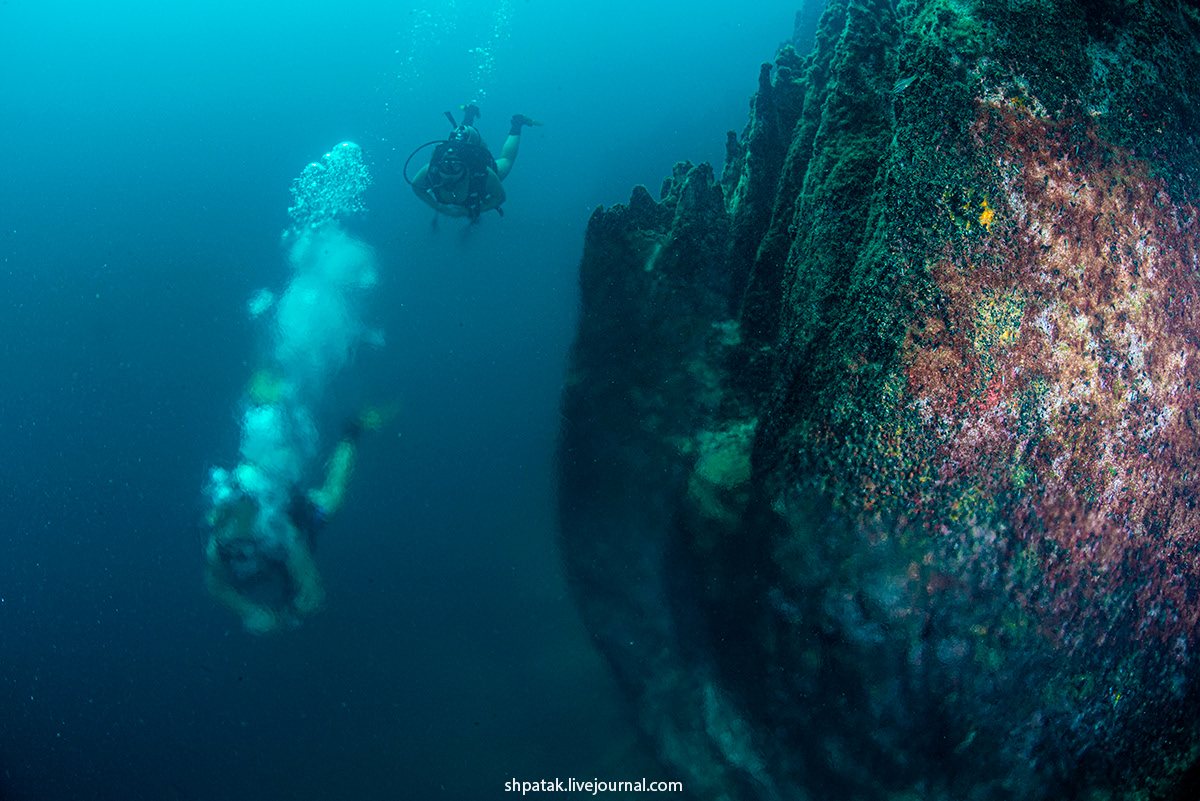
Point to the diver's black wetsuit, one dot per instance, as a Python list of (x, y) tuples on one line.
[(307, 517)]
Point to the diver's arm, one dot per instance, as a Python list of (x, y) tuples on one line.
[(494, 191), (303, 570), (257, 618), (451, 210), (423, 190)]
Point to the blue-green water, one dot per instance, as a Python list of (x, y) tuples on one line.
[(148, 151)]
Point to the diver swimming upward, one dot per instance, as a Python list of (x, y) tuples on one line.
[(462, 178)]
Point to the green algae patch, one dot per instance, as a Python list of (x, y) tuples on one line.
[(719, 483)]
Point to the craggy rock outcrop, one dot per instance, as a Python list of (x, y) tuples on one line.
[(881, 454)]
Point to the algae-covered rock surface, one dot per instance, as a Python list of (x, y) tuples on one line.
[(881, 452)]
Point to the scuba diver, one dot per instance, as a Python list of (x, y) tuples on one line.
[(259, 565), (462, 178)]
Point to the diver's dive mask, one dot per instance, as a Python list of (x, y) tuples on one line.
[(449, 170)]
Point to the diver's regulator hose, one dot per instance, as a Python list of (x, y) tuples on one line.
[(418, 150)]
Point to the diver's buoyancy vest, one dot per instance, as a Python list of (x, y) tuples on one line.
[(478, 160)]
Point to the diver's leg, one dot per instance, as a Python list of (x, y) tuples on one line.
[(508, 154), (328, 497), (470, 113)]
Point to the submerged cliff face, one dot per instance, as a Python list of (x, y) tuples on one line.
[(881, 453)]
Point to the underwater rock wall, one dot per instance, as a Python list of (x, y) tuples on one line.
[(879, 461)]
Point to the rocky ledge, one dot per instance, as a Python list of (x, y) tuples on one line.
[(881, 453)]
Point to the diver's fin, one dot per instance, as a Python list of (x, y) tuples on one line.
[(521, 119), (371, 418), (470, 113)]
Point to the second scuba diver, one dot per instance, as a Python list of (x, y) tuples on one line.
[(462, 178), (261, 566)]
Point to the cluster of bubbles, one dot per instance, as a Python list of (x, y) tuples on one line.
[(316, 325), (485, 55), (330, 188), (425, 38), (434, 29)]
